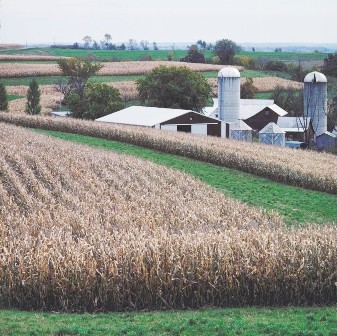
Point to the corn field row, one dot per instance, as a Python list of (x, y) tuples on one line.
[(87, 230), (8, 70), (305, 169)]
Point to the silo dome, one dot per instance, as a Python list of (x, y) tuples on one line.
[(229, 72), (315, 77)]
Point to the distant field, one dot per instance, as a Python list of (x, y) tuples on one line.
[(134, 55)]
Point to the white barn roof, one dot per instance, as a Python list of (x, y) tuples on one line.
[(271, 128), (240, 126), (143, 116), (293, 124), (250, 107)]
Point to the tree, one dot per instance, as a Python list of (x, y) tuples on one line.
[(106, 41), (194, 55), (33, 98), (98, 100), (332, 113), (248, 90), (144, 44), (226, 50), (79, 70), (3, 98), (330, 65), (174, 87), (155, 46), (132, 44), (202, 44), (289, 99), (87, 41)]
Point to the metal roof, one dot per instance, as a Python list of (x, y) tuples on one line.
[(229, 72), (250, 107), (240, 125), (332, 135), (315, 77), (271, 128), (293, 124), (143, 116)]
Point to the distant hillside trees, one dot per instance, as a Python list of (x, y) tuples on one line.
[(33, 98), (193, 55), (174, 87), (330, 65), (3, 98), (226, 50)]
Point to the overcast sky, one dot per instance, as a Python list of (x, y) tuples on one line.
[(39, 21)]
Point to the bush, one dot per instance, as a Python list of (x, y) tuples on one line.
[(193, 56), (276, 66), (3, 98)]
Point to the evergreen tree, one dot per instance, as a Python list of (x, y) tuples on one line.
[(3, 98), (33, 98)]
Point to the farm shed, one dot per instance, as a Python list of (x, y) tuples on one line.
[(272, 135), (166, 119), (257, 121), (60, 114), (327, 141), (295, 127), (241, 131)]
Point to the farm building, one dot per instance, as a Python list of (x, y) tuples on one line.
[(295, 128), (269, 114), (166, 119), (240, 131), (327, 141), (272, 135)]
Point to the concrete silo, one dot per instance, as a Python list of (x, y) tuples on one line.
[(229, 94), (315, 101)]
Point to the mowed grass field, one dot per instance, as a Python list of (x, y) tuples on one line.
[(288, 321), (133, 55)]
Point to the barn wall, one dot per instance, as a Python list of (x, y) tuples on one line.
[(262, 119)]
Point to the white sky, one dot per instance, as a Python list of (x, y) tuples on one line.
[(42, 21)]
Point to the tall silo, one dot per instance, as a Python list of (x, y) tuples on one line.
[(315, 101), (229, 94)]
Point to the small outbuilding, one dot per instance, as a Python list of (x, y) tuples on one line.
[(241, 131), (166, 119), (272, 135), (327, 141)]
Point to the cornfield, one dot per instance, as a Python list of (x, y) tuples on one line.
[(8, 70), (87, 230), (263, 84), (305, 169)]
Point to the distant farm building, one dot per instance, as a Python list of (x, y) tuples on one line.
[(272, 135), (327, 141), (295, 128), (166, 119)]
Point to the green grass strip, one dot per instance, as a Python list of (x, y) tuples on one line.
[(230, 322), (295, 205)]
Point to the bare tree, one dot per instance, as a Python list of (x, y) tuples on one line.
[(87, 41)]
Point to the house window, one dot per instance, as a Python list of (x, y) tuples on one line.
[(184, 128)]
